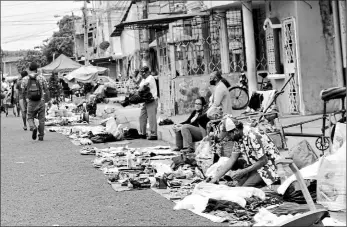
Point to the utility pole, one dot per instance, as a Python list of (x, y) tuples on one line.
[(145, 37), (74, 36), (85, 17)]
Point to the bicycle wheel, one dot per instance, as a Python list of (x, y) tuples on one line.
[(239, 98)]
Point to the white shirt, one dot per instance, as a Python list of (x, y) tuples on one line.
[(152, 85)]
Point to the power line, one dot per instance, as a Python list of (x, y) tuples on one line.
[(36, 13), (28, 36), (20, 4)]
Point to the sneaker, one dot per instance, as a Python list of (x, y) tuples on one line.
[(34, 136), (40, 138), (153, 138)]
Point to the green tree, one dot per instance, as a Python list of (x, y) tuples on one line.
[(31, 56), (61, 41)]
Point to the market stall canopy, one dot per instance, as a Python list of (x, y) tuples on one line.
[(62, 63), (85, 74)]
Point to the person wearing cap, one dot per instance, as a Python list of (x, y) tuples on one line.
[(35, 107), (149, 110), (255, 150), (221, 96)]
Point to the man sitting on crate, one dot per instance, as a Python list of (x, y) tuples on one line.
[(252, 160)]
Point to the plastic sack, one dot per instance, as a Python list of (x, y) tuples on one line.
[(213, 170), (214, 113), (331, 181), (204, 155), (339, 136), (112, 127), (192, 202), (303, 154)]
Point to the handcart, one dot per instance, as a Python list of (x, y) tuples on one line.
[(323, 142), (315, 216)]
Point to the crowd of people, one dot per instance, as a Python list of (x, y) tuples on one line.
[(253, 152)]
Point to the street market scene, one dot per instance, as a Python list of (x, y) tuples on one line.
[(176, 113)]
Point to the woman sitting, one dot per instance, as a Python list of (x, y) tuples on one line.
[(193, 129)]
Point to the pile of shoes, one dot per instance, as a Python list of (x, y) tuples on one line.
[(88, 151)]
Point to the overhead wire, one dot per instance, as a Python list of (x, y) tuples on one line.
[(20, 3), (26, 37), (37, 13)]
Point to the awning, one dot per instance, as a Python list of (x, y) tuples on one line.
[(227, 5), (153, 23)]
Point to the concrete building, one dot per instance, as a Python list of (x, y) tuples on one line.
[(302, 39), (9, 66)]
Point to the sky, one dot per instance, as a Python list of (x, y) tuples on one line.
[(25, 24)]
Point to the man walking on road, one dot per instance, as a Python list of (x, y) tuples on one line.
[(149, 110), (21, 100), (34, 87)]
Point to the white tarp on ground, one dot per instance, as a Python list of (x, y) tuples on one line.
[(85, 74)]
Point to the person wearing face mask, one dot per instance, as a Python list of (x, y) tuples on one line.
[(221, 96), (253, 158), (191, 130)]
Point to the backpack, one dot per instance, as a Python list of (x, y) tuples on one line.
[(34, 92)]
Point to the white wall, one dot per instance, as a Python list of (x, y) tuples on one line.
[(129, 38)]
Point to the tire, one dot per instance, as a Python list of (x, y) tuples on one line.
[(239, 97)]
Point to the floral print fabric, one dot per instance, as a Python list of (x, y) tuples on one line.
[(253, 146)]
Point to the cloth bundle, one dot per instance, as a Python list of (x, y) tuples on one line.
[(143, 95)]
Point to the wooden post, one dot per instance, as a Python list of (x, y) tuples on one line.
[(172, 58), (224, 43), (337, 43), (86, 26), (247, 17), (145, 36)]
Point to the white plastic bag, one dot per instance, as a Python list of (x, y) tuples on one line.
[(331, 182), (215, 168), (339, 136), (112, 127), (203, 151), (192, 202)]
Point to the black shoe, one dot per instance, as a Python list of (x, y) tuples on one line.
[(34, 136), (153, 138), (25, 128), (142, 136), (176, 149), (40, 138)]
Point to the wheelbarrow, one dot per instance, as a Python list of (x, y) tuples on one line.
[(315, 216)]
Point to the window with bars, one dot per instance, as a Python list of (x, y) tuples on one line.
[(197, 46), (237, 54), (236, 41)]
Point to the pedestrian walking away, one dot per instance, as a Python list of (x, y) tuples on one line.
[(34, 87), (21, 100), (149, 110)]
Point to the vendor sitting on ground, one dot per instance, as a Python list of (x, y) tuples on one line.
[(253, 156), (193, 129)]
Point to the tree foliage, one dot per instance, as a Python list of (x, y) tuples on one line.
[(31, 56), (61, 41)]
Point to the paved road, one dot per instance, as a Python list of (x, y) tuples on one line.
[(49, 183)]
